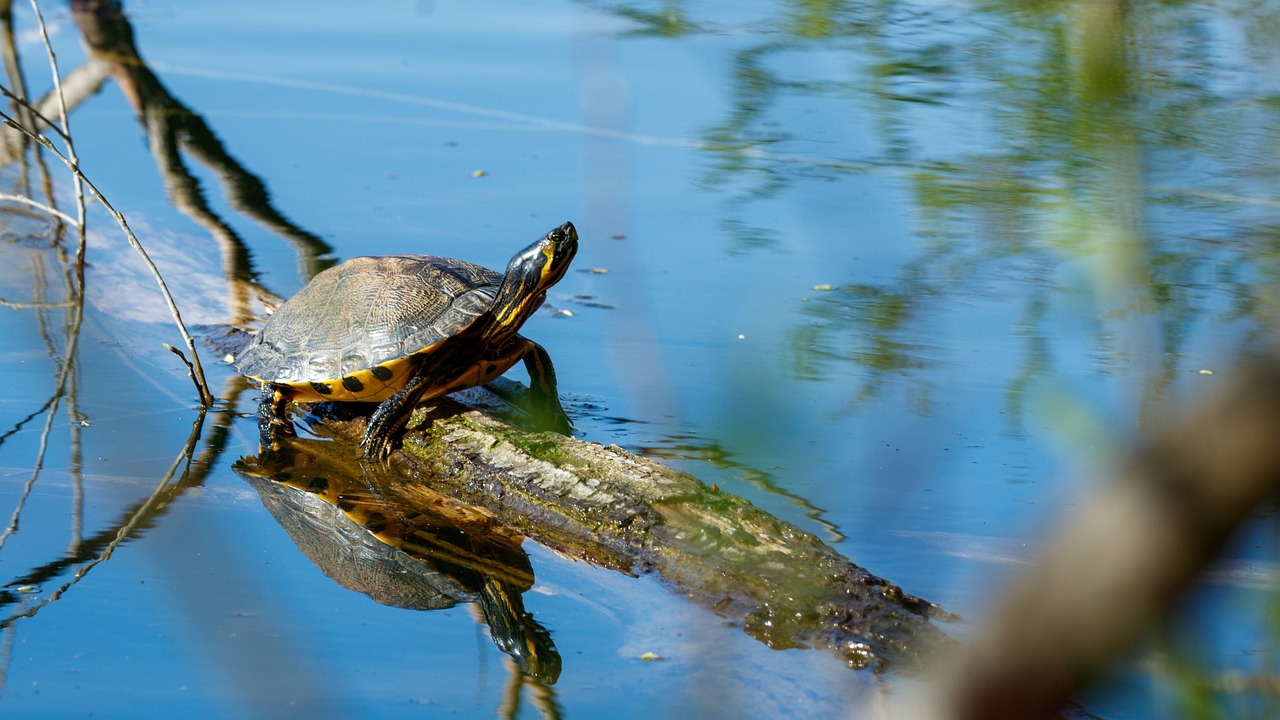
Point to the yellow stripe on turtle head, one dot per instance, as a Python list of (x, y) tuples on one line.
[(549, 267), (529, 274)]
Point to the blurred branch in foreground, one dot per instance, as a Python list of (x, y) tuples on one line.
[(1119, 564)]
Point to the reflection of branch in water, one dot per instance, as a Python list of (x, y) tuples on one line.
[(142, 517), (6, 654), (75, 463), (16, 145), (68, 367), (17, 427), (78, 85), (870, 326), (171, 126)]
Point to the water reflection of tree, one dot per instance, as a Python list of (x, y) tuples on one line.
[(1124, 142), (690, 447), (1085, 115), (174, 129)]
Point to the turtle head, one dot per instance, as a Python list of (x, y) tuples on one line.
[(530, 273), (543, 263)]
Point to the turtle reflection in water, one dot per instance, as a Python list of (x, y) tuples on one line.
[(401, 329), (430, 557)]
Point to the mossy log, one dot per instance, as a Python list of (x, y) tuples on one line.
[(614, 509)]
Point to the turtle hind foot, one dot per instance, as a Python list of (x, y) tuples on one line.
[(377, 447)]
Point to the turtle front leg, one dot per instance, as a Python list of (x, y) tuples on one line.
[(390, 417), (544, 400), (272, 421)]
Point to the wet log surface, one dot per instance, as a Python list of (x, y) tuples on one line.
[(617, 510)]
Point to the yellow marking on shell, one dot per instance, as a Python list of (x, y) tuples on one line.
[(373, 384), (382, 381)]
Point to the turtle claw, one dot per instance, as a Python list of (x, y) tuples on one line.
[(390, 417), (376, 447)]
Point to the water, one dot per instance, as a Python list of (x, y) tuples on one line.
[(906, 275)]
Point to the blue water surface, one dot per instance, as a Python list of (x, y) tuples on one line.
[(907, 276)]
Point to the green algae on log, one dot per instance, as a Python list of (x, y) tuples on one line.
[(614, 509)]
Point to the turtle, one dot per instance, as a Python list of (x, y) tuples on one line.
[(402, 329)]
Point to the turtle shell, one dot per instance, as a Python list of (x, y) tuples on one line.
[(353, 322)]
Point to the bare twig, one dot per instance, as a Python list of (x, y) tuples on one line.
[(34, 111), (9, 197), (77, 178), (191, 371)]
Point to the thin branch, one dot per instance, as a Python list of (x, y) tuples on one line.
[(191, 371), (77, 177), (37, 204), (34, 111)]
